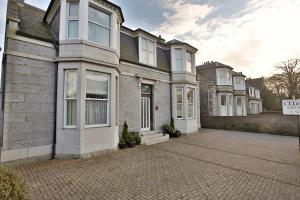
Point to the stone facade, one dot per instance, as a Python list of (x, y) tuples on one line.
[(38, 54), (29, 98)]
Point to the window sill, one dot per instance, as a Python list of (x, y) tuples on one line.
[(97, 126)]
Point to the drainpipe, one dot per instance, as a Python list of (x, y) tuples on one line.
[(55, 106)]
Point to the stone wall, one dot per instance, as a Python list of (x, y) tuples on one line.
[(29, 99), (268, 123)]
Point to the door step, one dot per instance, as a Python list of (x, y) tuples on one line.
[(154, 138)]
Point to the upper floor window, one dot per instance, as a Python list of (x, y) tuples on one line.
[(224, 77), (189, 62), (99, 27), (257, 94), (239, 83), (73, 19), (178, 60), (147, 51)]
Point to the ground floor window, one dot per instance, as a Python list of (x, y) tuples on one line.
[(70, 98), (191, 102), (179, 103), (97, 99), (223, 106)]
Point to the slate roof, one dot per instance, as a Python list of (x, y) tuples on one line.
[(256, 82), (212, 64), (234, 73), (31, 21)]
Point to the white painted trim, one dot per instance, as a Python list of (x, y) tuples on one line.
[(30, 40), (24, 153), (30, 56)]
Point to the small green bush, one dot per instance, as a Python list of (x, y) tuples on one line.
[(137, 137), (171, 130), (11, 186)]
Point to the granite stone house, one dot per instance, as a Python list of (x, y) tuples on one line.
[(254, 101), (222, 90), (72, 75)]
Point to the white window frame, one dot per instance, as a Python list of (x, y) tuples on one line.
[(147, 51), (102, 26), (182, 103), (193, 104), (175, 59), (65, 98), (93, 99), (72, 19)]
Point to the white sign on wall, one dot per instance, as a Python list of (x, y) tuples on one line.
[(291, 107)]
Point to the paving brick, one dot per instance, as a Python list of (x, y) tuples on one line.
[(211, 165)]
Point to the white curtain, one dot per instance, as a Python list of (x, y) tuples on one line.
[(96, 112)]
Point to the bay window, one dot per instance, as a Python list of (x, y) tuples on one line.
[(99, 27), (147, 51), (178, 60), (179, 103), (188, 62), (73, 19), (191, 102), (70, 98), (97, 99)]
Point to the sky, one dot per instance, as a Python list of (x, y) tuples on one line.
[(249, 35)]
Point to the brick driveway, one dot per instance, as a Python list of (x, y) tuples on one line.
[(212, 165)]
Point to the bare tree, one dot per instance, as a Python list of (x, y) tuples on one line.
[(288, 78)]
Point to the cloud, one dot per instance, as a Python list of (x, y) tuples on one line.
[(43, 4), (264, 32)]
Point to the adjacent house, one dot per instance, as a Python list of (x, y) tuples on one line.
[(254, 101), (72, 75), (222, 91)]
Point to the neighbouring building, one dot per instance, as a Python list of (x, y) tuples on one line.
[(254, 101), (222, 91), (72, 75)]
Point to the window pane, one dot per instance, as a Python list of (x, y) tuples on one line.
[(96, 112), (188, 62), (73, 29), (190, 110), (99, 17), (178, 59), (96, 85), (99, 34), (223, 100), (150, 46), (71, 83), (71, 112), (190, 96), (151, 58), (73, 9), (144, 44), (179, 97), (179, 111)]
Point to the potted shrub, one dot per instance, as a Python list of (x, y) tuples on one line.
[(137, 138), (131, 142), (122, 143)]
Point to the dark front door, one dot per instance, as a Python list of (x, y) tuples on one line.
[(146, 107)]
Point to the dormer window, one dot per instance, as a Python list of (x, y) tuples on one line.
[(188, 62), (73, 19), (147, 51), (99, 27)]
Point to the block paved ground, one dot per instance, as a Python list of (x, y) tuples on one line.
[(214, 164)]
